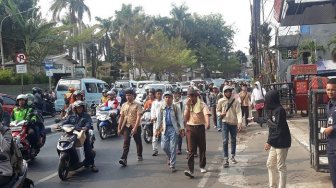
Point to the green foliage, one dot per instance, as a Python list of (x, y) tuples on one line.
[(40, 79), (310, 46), (108, 79), (5, 76), (27, 79)]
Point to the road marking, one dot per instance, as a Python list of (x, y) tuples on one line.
[(46, 178), (211, 168)]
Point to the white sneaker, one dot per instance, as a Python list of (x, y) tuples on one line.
[(203, 170)]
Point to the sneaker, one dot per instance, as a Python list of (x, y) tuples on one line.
[(156, 153), (123, 162), (233, 160), (215, 127), (226, 164), (94, 168), (173, 169), (189, 174), (203, 170), (219, 130), (179, 152), (140, 158)]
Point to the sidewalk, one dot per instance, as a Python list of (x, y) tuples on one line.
[(251, 170)]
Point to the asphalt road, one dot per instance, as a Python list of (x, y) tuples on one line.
[(152, 172)]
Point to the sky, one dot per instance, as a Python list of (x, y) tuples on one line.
[(235, 12)]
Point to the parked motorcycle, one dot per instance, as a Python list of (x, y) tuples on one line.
[(20, 135), (21, 180), (70, 150), (147, 126), (107, 122)]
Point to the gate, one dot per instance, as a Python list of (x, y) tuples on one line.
[(318, 141), (287, 96)]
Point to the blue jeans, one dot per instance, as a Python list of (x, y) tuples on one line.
[(219, 122), (225, 132), (169, 143)]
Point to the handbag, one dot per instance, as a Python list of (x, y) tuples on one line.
[(260, 104)]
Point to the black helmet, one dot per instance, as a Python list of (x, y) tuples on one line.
[(177, 90), (78, 104), (37, 90)]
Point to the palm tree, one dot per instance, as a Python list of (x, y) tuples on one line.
[(105, 43), (265, 39), (76, 10), (308, 48), (180, 19)]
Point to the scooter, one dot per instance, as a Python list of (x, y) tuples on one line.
[(20, 135), (107, 121), (20, 180), (49, 108), (147, 126), (93, 109), (70, 150)]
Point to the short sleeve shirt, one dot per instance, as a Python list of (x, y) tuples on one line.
[(130, 112), (199, 118)]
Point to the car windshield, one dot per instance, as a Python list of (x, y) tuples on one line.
[(64, 85), (119, 84), (185, 83), (157, 86)]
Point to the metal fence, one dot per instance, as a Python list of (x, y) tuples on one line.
[(318, 141), (287, 96)]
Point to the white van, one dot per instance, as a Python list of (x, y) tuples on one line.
[(92, 88)]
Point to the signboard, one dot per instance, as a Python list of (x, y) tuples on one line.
[(49, 73), (22, 68), (301, 86), (310, 69), (21, 58), (289, 53), (48, 64)]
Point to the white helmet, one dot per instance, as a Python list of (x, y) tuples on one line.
[(78, 104), (22, 96), (111, 93)]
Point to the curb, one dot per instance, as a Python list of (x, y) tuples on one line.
[(299, 135)]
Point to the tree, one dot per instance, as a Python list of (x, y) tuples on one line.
[(180, 19), (105, 43), (265, 39), (307, 48)]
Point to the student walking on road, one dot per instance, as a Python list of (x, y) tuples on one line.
[(197, 116), (129, 125), (245, 98), (170, 121), (279, 139), (154, 111), (230, 111)]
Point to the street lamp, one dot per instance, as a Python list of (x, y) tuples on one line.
[(1, 45)]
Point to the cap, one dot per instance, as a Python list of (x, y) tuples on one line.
[(168, 93)]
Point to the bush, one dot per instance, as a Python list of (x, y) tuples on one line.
[(16, 79), (5, 76), (41, 79), (108, 79)]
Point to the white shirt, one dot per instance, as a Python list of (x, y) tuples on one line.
[(155, 108)]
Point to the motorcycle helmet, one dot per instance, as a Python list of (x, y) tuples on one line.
[(111, 93), (71, 89), (177, 90), (30, 98), (37, 90), (21, 96), (78, 92), (105, 91), (78, 104)]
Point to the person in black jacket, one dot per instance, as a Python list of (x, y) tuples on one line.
[(279, 138)]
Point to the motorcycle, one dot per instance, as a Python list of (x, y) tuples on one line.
[(20, 180), (147, 126), (20, 135), (107, 122), (70, 150)]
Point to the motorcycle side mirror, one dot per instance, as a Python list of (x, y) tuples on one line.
[(57, 120)]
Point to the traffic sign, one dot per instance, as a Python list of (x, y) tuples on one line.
[(21, 68), (21, 58), (49, 73), (48, 64)]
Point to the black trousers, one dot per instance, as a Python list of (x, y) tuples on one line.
[(332, 167), (88, 152), (127, 141), (245, 113)]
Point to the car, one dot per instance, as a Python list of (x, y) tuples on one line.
[(163, 86), (184, 86), (8, 103)]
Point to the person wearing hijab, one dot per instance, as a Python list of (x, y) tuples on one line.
[(279, 139), (258, 98)]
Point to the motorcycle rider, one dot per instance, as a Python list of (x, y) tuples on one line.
[(104, 98), (23, 112), (39, 122), (83, 121), (150, 100), (6, 169), (38, 101), (112, 101), (4, 116)]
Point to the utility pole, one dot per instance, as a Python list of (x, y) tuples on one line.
[(255, 36)]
